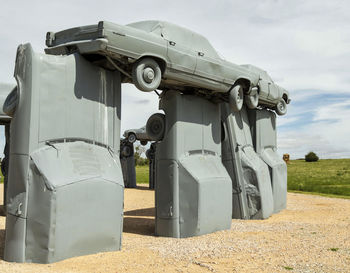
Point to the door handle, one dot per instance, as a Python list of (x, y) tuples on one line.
[(172, 43), (200, 54)]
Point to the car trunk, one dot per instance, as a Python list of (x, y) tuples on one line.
[(74, 34)]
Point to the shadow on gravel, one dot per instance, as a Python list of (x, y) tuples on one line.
[(143, 188), (141, 212), (142, 226)]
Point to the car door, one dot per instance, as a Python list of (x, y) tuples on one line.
[(181, 55), (209, 64), (264, 85), (273, 92)]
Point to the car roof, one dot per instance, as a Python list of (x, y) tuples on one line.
[(177, 34)]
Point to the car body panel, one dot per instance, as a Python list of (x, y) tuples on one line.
[(189, 58), (269, 92), (140, 134)]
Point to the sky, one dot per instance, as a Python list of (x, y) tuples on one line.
[(303, 44)]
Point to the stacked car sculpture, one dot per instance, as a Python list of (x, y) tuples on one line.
[(213, 155), (160, 55)]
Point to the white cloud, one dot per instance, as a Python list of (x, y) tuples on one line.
[(327, 134), (137, 107), (304, 45)]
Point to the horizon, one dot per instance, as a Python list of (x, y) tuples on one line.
[(304, 47)]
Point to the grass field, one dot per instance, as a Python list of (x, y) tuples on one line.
[(326, 177), (142, 174)]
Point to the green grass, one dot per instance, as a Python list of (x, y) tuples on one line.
[(329, 177), (334, 249), (142, 174)]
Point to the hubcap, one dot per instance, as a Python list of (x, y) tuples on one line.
[(156, 127), (148, 75), (281, 106)]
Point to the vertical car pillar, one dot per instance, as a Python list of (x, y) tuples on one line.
[(127, 161), (193, 189), (150, 153), (65, 187), (265, 142), (5, 120), (252, 193)]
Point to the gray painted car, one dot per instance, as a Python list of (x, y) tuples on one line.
[(160, 55), (137, 134), (152, 131)]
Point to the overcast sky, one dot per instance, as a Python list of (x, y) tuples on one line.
[(304, 46)]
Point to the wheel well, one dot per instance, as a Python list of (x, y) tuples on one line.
[(244, 82), (130, 134), (285, 97), (160, 61)]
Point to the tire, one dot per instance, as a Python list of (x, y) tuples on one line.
[(146, 74), (155, 127), (236, 98), (252, 101), (144, 142), (131, 137), (281, 107)]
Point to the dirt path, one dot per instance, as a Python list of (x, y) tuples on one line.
[(311, 235)]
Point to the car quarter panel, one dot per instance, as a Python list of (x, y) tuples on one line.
[(274, 93), (132, 42), (233, 72)]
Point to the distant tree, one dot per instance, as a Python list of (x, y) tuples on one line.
[(311, 157), (139, 159)]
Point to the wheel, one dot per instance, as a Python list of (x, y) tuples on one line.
[(131, 137), (144, 142), (155, 126), (252, 100), (281, 107), (236, 98), (146, 74)]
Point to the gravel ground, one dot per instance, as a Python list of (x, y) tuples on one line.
[(311, 235)]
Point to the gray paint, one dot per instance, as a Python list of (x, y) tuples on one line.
[(187, 58), (65, 194), (193, 189), (252, 194), (64, 156), (127, 161), (140, 134), (265, 142)]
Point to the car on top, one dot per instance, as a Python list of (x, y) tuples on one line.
[(161, 55)]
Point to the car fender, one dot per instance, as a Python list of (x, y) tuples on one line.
[(246, 82), (163, 59)]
